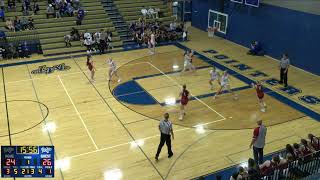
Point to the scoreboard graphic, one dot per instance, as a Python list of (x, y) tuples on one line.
[(27, 161)]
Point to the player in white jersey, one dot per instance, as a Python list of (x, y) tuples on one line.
[(152, 44), (112, 69), (214, 76), (187, 65), (225, 85)]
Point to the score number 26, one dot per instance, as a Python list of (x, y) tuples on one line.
[(46, 162)]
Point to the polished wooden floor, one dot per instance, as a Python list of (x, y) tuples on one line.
[(96, 134)]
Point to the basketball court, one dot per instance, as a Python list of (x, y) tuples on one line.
[(111, 129)]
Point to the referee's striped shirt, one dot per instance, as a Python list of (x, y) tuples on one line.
[(165, 127)]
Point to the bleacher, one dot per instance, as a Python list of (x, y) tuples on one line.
[(51, 31), (306, 166), (131, 9), (125, 11)]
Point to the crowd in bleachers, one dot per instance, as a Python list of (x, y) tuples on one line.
[(65, 8), (141, 31), (18, 23), (100, 41), (152, 13), (20, 50), (26, 6), (304, 152)]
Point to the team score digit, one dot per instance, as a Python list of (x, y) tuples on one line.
[(27, 171), (8, 171), (46, 162), (48, 171), (10, 162), (40, 171)]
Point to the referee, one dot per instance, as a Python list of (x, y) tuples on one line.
[(165, 128), (284, 67)]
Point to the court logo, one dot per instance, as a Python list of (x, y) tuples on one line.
[(46, 150), (290, 90), (8, 150), (259, 74), (48, 70), (310, 99), (272, 82), (242, 67)]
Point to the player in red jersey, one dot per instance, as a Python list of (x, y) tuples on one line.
[(91, 66), (184, 99), (260, 94)]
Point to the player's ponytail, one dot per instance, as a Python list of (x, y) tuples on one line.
[(184, 87)]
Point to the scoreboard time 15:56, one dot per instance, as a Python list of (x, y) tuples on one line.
[(27, 161)]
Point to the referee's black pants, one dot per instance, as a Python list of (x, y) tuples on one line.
[(165, 138), (283, 76)]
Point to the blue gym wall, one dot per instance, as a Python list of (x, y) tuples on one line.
[(278, 29)]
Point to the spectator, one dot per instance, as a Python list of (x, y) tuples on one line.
[(240, 175), (290, 150), (50, 11), (151, 12), (144, 12), (268, 166), (67, 40), (255, 49), (3, 36), (75, 35), (30, 23), (173, 26), (11, 5), (258, 142), (24, 10), (253, 170), (76, 4), (314, 142), (298, 153), (96, 38), (26, 3), (12, 51), (17, 24), (157, 11), (24, 23), (69, 10), (235, 176), (57, 10), (2, 4), (2, 16), (243, 172), (184, 36), (36, 8), (9, 25), (290, 158), (61, 7), (305, 148), (81, 38), (88, 40), (80, 16), (103, 42), (109, 40)]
